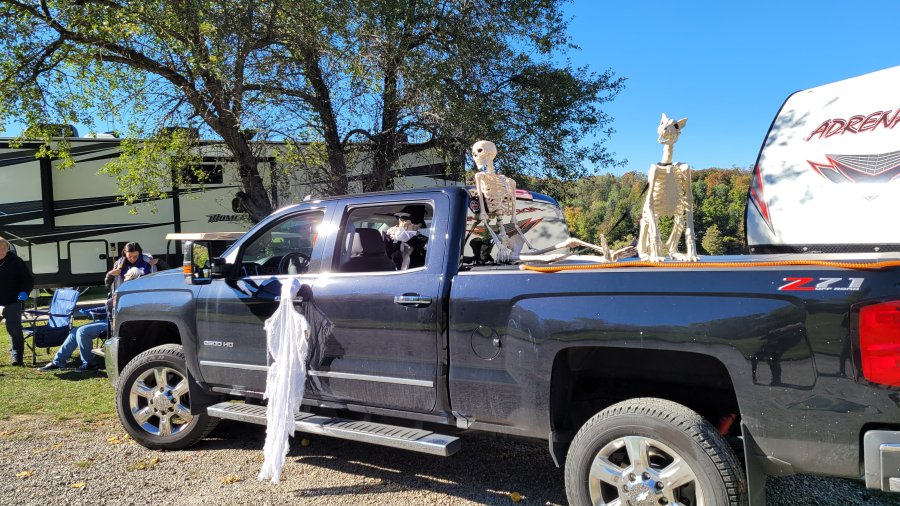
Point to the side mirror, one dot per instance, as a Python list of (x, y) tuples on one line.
[(218, 267), (196, 267)]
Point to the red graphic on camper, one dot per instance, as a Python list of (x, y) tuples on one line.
[(525, 225), (880, 168), (758, 198)]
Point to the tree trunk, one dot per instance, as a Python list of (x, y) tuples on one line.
[(385, 152), (337, 161), (253, 197)]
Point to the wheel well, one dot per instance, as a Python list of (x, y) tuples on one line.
[(141, 335), (585, 381)]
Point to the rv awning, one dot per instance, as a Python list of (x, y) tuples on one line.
[(204, 236)]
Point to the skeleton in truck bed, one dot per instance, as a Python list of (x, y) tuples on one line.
[(669, 195), (497, 199)]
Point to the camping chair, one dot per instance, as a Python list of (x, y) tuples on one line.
[(59, 322)]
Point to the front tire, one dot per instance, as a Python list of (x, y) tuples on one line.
[(153, 403), (652, 452)]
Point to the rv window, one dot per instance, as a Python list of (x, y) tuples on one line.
[(205, 174)]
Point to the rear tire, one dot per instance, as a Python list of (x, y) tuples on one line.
[(652, 452), (153, 403)]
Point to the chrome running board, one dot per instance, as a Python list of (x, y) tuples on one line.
[(416, 440)]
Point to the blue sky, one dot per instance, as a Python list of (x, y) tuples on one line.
[(727, 66)]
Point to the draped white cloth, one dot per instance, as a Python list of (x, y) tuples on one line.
[(287, 340)]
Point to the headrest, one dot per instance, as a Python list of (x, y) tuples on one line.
[(367, 242)]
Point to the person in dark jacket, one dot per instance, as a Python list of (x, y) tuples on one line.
[(15, 283)]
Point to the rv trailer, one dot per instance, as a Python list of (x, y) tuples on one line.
[(70, 227)]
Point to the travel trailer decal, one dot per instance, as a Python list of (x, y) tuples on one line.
[(856, 124), (880, 168), (13, 217)]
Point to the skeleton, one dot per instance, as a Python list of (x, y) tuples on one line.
[(497, 197), (669, 195)]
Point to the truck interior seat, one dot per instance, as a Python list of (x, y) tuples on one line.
[(367, 253)]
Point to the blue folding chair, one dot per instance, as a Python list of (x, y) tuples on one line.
[(59, 322)]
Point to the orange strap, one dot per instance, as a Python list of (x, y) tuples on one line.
[(730, 265)]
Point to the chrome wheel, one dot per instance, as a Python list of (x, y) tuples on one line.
[(159, 402), (154, 403), (641, 471)]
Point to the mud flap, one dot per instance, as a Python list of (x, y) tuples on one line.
[(756, 475), (200, 398)]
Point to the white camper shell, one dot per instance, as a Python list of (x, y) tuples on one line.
[(828, 175)]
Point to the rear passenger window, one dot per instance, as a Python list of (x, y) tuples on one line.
[(384, 238)]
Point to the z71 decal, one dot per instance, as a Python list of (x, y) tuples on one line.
[(821, 284)]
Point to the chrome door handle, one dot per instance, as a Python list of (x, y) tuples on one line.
[(412, 299)]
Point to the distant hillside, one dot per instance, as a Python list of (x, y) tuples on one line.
[(595, 204)]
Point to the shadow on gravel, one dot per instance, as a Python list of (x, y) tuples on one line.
[(485, 470)]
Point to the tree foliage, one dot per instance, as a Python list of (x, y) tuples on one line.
[(349, 83), (712, 241), (612, 206)]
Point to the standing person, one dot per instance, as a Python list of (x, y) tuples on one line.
[(132, 256), (15, 283), (83, 337)]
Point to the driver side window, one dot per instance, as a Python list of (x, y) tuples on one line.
[(284, 248)]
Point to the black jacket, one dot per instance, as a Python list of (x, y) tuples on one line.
[(15, 277)]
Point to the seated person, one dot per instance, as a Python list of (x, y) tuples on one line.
[(132, 256), (82, 337)]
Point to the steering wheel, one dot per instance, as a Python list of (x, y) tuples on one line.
[(293, 263)]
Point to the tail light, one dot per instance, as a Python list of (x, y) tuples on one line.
[(879, 342)]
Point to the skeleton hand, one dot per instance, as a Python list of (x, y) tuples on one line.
[(504, 254)]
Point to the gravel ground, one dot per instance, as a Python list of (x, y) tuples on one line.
[(94, 463)]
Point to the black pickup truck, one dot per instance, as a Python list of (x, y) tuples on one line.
[(658, 385)]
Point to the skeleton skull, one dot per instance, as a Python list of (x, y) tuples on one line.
[(483, 152), (669, 129)]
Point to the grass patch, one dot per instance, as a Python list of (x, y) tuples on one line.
[(59, 395)]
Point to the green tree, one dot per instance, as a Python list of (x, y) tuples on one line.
[(712, 241), (610, 205), (364, 82)]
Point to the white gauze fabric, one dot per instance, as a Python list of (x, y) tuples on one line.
[(287, 340)]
